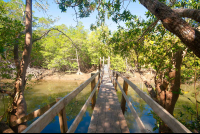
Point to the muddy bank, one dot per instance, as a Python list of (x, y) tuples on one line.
[(53, 75)]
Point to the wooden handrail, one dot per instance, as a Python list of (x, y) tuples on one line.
[(33, 115), (38, 125), (171, 122), (81, 113), (137, 118)]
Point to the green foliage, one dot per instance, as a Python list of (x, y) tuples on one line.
[(192, 124), (117, 63), (10, 28)]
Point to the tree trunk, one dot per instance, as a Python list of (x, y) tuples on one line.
[(79, 71), (169, 97), (175, 24), (19, 103)]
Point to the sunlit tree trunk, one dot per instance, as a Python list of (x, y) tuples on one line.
[(19, 104), (79, 70)]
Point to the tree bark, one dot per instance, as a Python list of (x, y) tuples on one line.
[(19, 103), (79, 70), (175, 24), (189, 13)]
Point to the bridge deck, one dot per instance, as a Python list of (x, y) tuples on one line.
[(107, 115)]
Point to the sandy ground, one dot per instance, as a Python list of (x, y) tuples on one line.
[(84, 76)]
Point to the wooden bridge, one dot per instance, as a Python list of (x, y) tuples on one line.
[(107, 111)]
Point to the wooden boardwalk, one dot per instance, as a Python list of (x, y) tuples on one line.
[(107, 115)]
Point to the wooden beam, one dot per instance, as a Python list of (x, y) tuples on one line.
[(78, 118), (116, 82), (123, 100), (171, 122), (93, 101), (38, 125), (33, 115), (99, 76), (62, 119)]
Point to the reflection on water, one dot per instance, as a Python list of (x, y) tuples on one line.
[(54, 126), (142, 110)]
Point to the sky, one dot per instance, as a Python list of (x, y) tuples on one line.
[(68, 17)]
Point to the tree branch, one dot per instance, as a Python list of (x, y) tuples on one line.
[(189, 13), (60, 32), (7, 92), (149, 28)]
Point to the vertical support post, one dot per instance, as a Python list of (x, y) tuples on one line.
[(110, 75), (99, 77), (92, 88), (100, 63), (123, 101), (103, 61), (62, 119), (126, 65), (116, 81), (113, 75), (108, 63)]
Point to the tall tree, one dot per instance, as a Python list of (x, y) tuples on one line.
[(19, 104)]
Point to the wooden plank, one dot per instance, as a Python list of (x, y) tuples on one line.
[(75, 92), (93, 101), (62, 119), (81, 113), (38, 125), (116, 82), (137, 118), (171, 122), (105, 117), (33, 115), (123, 100)]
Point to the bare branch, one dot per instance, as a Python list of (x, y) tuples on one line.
[(76, 15), (42, 35), (149, 28), (60, 32)]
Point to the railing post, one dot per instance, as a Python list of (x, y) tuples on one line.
[(93, 101), (123, 101), (99, 77), (116, 81), (108, 63), (62, 119), (110, 75), (113, 75), (103, 61)]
